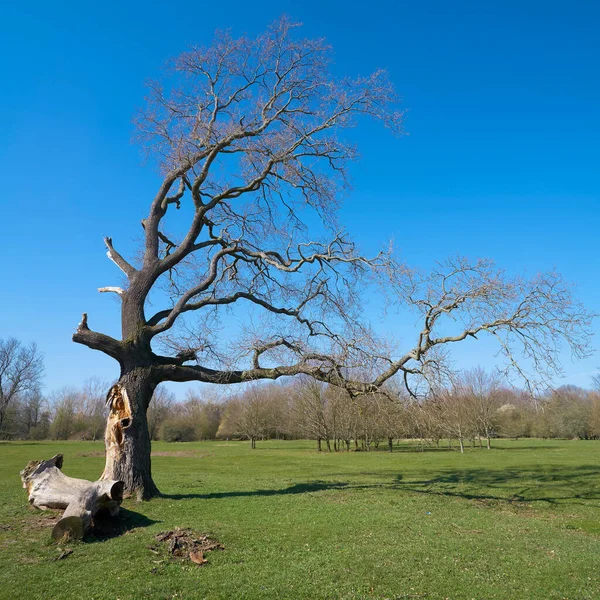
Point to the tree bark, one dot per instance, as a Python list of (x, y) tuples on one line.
[(49, 487), (127, 438)]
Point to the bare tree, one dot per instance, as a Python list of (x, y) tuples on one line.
[(159, 409), (92, 407), (594, 423), (246, 416), (311, 406), (32, 409), (250, 134), (204, 414), (391, 417), (21, 369), (64, 413), (481, 392), (454, 415), (249, 137), (344, 414), (596, 382)]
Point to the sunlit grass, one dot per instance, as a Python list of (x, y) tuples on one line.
[(519, 521)]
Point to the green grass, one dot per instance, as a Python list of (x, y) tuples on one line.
[(521, 521)]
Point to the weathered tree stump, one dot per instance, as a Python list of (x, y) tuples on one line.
[(49, 487)]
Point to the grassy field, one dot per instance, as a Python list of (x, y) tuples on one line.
[(520, 521)]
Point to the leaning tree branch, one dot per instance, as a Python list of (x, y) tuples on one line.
[(187, 373), (97, 341)]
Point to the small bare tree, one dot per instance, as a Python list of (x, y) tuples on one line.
[(21, 369), (159, 409), (481, 393), (246, 416), (249, 137), (311, 406), (91, 407)]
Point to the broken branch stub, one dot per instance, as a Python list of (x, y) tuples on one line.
[(49, 487)]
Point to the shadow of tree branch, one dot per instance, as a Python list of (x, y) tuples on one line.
[(559, 484)]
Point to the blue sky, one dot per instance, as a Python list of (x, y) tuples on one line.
[(501, 160)]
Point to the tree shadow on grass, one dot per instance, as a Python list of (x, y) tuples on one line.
[(564, 485), (444, 447), (525, 485), (298, 488), (107, 527)]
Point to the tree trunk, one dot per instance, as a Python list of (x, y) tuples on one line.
[(462, 446), (49, 487), (391, 444), (489, 442), (127, 438)]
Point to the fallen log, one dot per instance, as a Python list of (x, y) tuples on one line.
[(49, 487)]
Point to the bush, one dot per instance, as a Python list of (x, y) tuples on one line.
[(177, 430), (39, 432)]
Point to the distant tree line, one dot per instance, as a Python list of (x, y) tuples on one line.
[(472, 411)]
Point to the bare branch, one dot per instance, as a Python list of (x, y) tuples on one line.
[(118, 259), (97, 341), (113, 289)]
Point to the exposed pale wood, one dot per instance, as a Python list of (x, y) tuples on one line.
[(112, 288), (49, 487), (119, 419)]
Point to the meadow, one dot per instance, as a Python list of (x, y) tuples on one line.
[(519, 521)]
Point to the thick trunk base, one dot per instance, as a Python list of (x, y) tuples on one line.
[(127, 439)]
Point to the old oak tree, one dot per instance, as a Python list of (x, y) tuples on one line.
[(249, 137)]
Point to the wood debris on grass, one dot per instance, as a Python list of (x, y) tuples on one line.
[(63, 553), (186, 544)]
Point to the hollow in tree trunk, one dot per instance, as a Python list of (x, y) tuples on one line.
[(127, 438)]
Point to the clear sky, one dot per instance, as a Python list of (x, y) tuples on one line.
[(502, 159)]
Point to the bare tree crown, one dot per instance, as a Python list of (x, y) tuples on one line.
[(21, 369), (249, 133)]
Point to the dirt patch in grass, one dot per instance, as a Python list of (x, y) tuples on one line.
[(89, 454), (42, 521), (175, 453), (185, 544), (158, 453)]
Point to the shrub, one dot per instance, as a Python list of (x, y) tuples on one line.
[(177, 430)]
